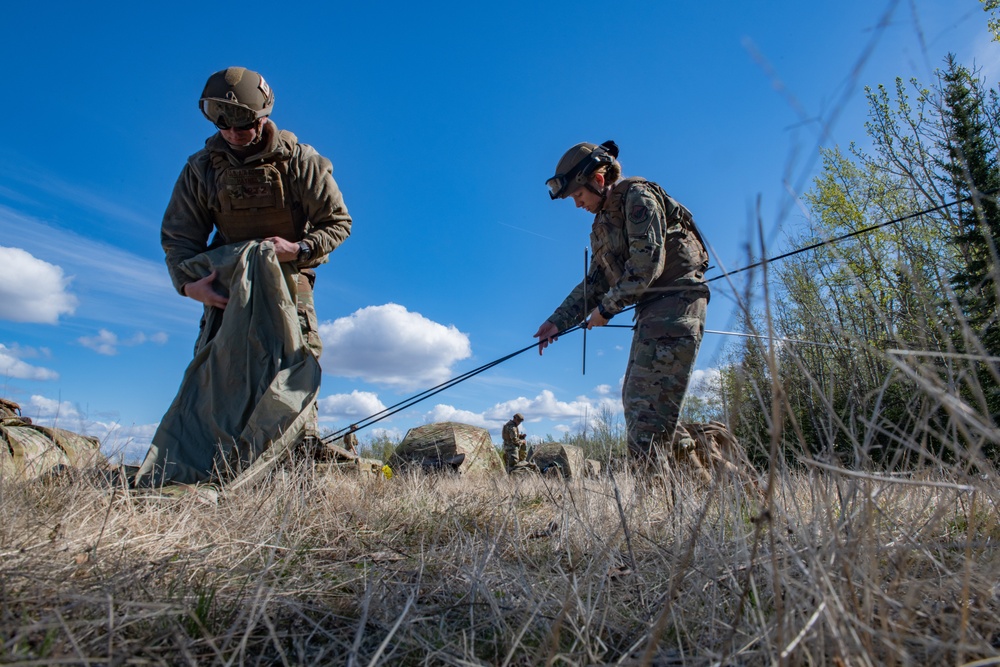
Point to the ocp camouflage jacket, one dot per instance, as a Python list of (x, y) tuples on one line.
[(315, 212), (644, 243)]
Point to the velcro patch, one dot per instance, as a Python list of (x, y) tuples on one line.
[(638, 213)]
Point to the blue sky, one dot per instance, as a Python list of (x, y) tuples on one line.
[(443, 121)]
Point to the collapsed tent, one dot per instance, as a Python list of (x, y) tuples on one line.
[(28, 451), (447, 446), (567, 460)]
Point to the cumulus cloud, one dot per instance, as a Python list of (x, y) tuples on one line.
[(544, 406), (349, 407), (120, 288), (12, 366), (389, 345), (448, 413), (41, 407), (32, 290), (107, 342), (705, 383), (104, 342), (547, 406)]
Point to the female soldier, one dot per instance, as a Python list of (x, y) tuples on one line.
[(647, 252)]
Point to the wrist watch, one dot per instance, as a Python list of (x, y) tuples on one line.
[(604, 313), (305, 252)]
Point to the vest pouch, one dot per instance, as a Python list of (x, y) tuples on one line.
[(608, 243), (254, 204)]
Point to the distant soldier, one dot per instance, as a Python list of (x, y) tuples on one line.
[(514, 446), (351, 440), (648, 253)]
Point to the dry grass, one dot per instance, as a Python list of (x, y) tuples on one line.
[(308, 569)]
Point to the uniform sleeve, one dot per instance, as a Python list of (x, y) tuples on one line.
[(329, 222), (186, 225), (647, 225), (573, 308)]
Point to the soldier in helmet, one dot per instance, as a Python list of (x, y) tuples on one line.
[(514, 446), (647, 253), (252, 182), (351, 439)]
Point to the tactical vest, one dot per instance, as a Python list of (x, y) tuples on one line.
[(610, 242), (254, 201)]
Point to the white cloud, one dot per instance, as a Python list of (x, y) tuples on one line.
[(107, 342), (603, 389), (545, 406), (11, 366), (448, 413), (705, 383), (104, 342), (349, 407), (116, 286), (391, 434), (40, 407), (391, 346), (32, 290)]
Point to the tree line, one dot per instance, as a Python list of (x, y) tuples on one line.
[(902, 369)]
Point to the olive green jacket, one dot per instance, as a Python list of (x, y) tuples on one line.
[(321, 217)]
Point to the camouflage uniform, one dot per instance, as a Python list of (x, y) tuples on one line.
[(647, 251), (351, 442), (514, 447), (277, 187)]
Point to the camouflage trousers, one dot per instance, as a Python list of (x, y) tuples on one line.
[(665, 344), (514, 453), (305, 308)]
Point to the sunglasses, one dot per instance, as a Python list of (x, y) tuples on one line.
[(229, 116)]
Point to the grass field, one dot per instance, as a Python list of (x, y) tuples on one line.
[(826, 568)]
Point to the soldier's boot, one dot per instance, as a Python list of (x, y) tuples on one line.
[(311, 445)]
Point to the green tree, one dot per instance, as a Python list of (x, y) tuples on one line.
[(969, 146), (845, 395), (993, 23)]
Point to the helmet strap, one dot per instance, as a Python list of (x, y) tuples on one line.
[(260, 131), (603, 194)]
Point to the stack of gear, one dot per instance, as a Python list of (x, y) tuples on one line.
[(566, 460), (28, 451), (449, 446), (330, 457), (713, 451)]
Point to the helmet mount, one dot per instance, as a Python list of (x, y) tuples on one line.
[(578, 165)]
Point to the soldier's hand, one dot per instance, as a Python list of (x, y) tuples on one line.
[(596, 319), (202, 291), (287, 251), (546, 334)]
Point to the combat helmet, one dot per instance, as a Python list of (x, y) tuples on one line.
[(518, 416), (235, 98), (577, 165)]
